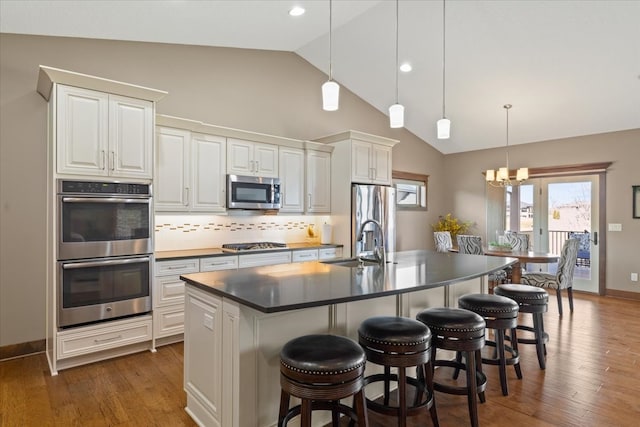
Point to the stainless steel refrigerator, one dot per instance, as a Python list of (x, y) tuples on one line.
[(376, 202)]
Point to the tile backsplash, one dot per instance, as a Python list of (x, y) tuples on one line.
[(177, 232)]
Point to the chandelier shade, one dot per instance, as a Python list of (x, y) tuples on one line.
[(444, 128), (444, 124), (396, 111)]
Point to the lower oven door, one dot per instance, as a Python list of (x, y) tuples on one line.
[(103, 288)]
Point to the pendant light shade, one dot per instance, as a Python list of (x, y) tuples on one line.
[(330, 89), (330, 95), (396, 116), (444, 128)]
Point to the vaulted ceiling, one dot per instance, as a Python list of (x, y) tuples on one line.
[(569, 68)]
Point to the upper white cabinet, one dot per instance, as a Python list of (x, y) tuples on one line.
[(318, 181), (291, 165), (190, 171), (103, 134), (252, 158), (370, 163)]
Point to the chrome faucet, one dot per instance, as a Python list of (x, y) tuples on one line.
[(379, 253)]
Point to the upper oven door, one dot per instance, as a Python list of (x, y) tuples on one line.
[(95, 226), (248, 192)]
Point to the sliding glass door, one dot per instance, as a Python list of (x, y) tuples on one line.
[(553, 210)]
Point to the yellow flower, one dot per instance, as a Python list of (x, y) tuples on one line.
[(451, 224)]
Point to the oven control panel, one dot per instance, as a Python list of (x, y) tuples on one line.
[(99, 187)]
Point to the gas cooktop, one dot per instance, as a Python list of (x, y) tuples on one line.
[(255, 246)]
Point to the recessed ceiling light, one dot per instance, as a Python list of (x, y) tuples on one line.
[(297, 11), (406, 67)]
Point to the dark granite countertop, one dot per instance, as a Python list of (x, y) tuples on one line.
[(193, 253), (285, 287)]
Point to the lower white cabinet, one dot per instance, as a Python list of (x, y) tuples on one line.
[(168, 290), (304, 255), (267, 258), (329, 253), (91, 339)]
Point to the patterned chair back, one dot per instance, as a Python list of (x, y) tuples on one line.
[(518, 241), (567, 263), (468, 244), (443, 241)]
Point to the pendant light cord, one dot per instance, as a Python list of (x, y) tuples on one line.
[(330, 39), (444, 31), (397, 32), (507, 107)]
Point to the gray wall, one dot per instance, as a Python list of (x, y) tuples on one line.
[(276, 93)]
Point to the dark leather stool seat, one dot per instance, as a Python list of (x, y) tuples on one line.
[(500, 314), (401, 343), (461, 331), (534, 300), (321, 370)]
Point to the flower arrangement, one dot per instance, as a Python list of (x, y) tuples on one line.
[(451, 224)]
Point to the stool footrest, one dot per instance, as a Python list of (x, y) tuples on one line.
[(321, 406), (393, 410), (515, 355), (481, 379)]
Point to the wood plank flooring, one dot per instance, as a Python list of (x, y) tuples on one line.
[(592, 379)]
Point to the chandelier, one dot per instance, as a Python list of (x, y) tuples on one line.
[(503, 176)]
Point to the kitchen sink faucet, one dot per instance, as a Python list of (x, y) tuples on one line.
[(379, 253)]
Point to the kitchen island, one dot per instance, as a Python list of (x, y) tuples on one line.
[(237, 321)]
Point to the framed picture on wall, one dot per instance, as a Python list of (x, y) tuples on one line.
[(636, 201)]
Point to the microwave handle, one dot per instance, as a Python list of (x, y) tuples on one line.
[(73, 265), (103, 200)]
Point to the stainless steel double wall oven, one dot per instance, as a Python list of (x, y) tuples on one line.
[(105, 250)]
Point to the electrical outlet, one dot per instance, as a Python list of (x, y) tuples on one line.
[(634, 277), (615, 227)]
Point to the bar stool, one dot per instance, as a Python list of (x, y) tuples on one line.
[(500, 314), (399, 342), (461, 331), (534, 300), (321, 370)]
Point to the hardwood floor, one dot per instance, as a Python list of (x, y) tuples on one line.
[(592, 379)]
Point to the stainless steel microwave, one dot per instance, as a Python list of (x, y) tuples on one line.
[(252, 192)]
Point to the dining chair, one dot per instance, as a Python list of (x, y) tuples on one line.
[(468, 244), (518, 242), (563, 279), (443, 241)]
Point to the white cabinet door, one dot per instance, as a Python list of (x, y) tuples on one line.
[(304, 255), (130, 137), (266, 160), (103, 134), (381, 164), (318, 181), (208, 169), (291, 164), (269, 258), (370, 163), (82, 131), (239, 157), (251, 158), (172, 170)]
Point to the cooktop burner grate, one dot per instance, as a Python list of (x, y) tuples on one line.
[(255, 246)]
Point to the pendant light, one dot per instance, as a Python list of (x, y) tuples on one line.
[(330, 89), (444, 124), (396, 111), (502, 178)]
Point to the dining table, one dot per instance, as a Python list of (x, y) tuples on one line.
[(523, 257)]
